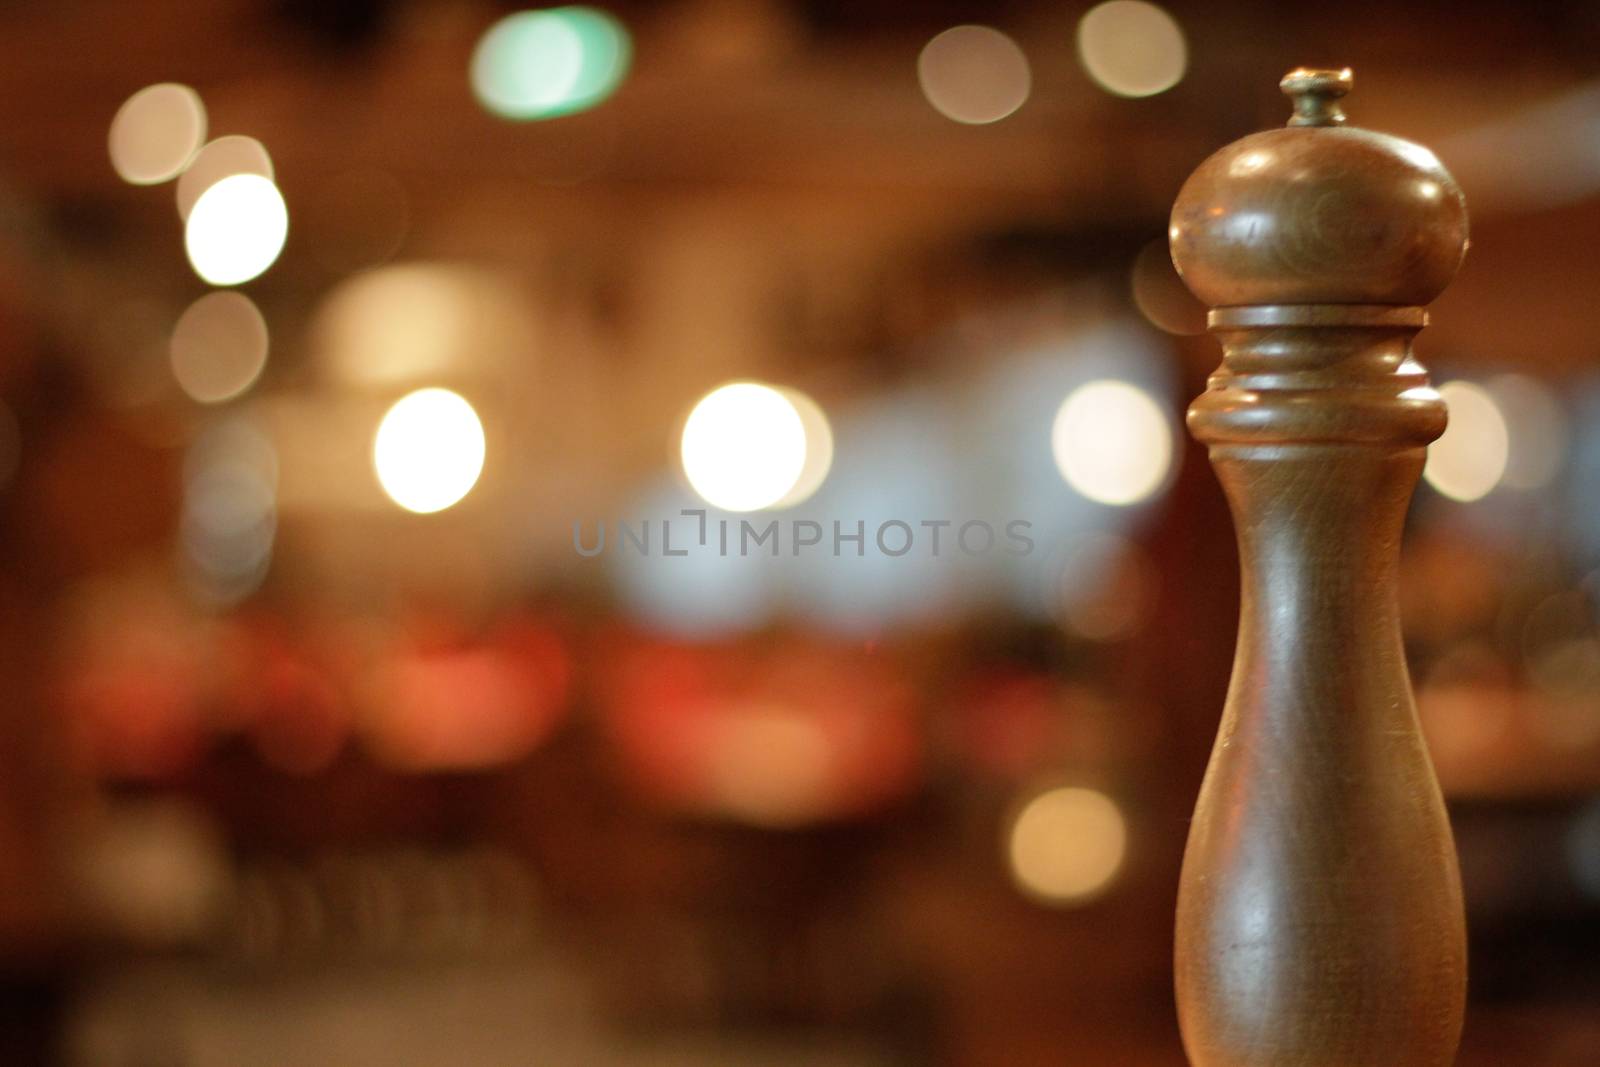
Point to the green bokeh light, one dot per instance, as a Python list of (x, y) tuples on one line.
[(540, 64)]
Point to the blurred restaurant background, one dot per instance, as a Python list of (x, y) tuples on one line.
[(662, 534)]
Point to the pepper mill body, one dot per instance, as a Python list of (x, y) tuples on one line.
[(1320, 920)]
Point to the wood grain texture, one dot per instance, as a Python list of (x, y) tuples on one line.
[(1320, 919), (1319, 214)]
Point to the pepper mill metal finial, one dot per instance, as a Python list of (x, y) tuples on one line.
[(1320, 921), (1316, 95)]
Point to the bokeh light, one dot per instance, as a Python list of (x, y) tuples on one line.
[(541, 64), (974, 74), (154, 872), (1112, 442), (744, 447), (156, 132), (1467, 462), (467, 707), (1066, 845), (429, 450), (1161, 296), (770, 766), (819, 449), (1007, 465), (408, 324), (1537, 430), (219, 347), (219, 159), (229, 519), (1132, 48), (236, 230)]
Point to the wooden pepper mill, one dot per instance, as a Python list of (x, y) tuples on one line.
[(1319, 917)]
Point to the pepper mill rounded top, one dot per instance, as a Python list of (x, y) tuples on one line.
[(1319, 212)]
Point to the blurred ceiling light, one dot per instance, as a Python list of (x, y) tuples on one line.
[(1469, 460), (1112, 442), (974, 74), (1067, 845), (1132, 48), (770, 766), (819, 449), (236, 230), (459, 708), (229, 518), (154, 872), (1161, 296), (541, 64), (409, 323), (219, 159), (429, 450), (156, 132), (744, 447), (1536, 428), (219, 347), (236, 441)]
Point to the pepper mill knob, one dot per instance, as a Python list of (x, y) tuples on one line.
[(1319, 212), (1320, 920)]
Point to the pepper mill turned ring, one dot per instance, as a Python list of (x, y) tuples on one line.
[(1320, 919)]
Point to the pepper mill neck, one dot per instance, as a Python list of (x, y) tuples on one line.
[(1319, 212), (1316, 95)]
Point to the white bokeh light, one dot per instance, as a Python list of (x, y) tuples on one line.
[(236, 229), (1468, 461), (744, 447), (1112, 442), (1537, 430), (156, 133), (429, 450), (974, 74), (219, 159), (819, 449), (1132, 48), (409, 324)]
